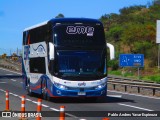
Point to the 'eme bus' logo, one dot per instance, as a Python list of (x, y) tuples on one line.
[(82, 84), (80, 30)]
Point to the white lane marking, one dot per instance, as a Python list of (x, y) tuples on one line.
[(54, 109), (2, 90), (34, 102), (45, 105), (13, 94), (28, 99), (134, 94), (11, 71), (65, 113), (71, 115), (9, 74), (135, 107), (3, 82), (13, 80), (21, 82), (117, 96)]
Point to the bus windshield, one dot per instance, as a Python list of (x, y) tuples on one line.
[(79, 35), (79, 63)]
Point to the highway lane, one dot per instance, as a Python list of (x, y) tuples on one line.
[(115, 101)]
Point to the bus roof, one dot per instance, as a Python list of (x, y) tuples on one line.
[(35, 26), (74, 20), (55, 21)]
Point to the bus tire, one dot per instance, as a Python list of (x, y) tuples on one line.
[(28, 87), (44, 90)]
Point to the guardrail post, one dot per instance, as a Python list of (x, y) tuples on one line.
[(153, 91), (138, 89), (114, 86), (125, 88)]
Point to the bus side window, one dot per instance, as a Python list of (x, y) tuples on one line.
[(48, 34), (24, 38)]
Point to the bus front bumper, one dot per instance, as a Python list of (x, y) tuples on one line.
[(79, 92)]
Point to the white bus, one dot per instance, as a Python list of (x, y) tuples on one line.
[(65, 57)]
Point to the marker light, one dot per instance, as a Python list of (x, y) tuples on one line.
[(100, 86)]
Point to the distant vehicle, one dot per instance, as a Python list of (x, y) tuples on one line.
[(65, 57)]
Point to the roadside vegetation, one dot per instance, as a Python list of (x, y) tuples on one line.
[(133, 30)]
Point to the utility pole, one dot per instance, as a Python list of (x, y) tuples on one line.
[(17, 51), (10, 52), (159, 57)]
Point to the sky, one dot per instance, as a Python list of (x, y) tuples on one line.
[(16, 15)]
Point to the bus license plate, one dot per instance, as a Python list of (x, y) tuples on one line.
[(81, 93)]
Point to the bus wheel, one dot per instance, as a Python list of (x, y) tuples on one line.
[(28, 87), (44, 90)]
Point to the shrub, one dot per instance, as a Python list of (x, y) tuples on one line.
[(113, 64)]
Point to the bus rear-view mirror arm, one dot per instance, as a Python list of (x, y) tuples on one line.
[(111, 51)]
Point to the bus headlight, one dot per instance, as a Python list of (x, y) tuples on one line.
[(100, 86), (60, 86)]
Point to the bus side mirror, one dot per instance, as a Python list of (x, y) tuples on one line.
[(111, 51), (51, 51)]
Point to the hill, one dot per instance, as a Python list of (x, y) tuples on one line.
[(133, 30)]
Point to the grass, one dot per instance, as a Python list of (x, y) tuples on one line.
[(154, 78), (118, 73), (133, 75), (121, 73)]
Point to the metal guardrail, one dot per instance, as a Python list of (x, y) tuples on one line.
[(134, 86), (129, 79), (135, 83)]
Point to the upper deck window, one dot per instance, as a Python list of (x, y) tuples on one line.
[(79, 35), (38, 34)]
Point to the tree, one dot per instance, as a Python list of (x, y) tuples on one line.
[(133, 30), (4, 56), (60, 15), (115, 33), (131, 9)]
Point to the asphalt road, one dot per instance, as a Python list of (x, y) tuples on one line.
[(77, 109)]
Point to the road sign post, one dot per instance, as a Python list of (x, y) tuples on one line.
[(158, 41), (159, 57), (132, 60), (138, 73)]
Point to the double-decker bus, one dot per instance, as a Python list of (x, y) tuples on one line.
[(65, 57)]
